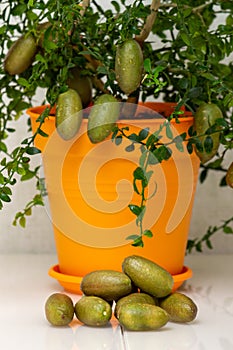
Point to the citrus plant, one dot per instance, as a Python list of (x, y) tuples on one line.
[(181, 57)]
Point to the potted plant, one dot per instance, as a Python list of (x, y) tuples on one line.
[(83, 53)]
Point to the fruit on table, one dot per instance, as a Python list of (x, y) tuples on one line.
[(205, 117), (136, 311), (229, 176), (129, 65), (148, 276), (59, 309), (107, 284), (180, 307), (21, 55), (82, 84), (142, 317), (68, 114), (102, 118), (134, 298), (93, 311)]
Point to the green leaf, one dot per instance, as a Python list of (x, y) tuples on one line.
[(139, 174), (2, 179), (4, 197), (130, 148), (148, 233), (116, 5), (169, 131), (3, 146), (179, 146), (138, 242), (142, 159), (133, 137), (22, 221), (135, 209), (147, 65), (23, 82), (185, 37), (208, 144), (227, 229), (118, 140), (19, 9), (42, 133), (133, 237), (143, 134), (190, 147), (30, 3), (32, 150), (203, 175)]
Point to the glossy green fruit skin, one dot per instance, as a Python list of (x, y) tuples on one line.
[(229, 176), (102, 118), (134, 298), (106, 284), (142, 317), (148, 276), (21, 55), (93, 311), (205, 116), (129, 66), (59, 309), (68, 114), (180, 307), (82, 84)]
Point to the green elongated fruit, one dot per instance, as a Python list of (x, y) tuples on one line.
[(102, 118), (229, 176), (106, 284), (68, 114), (21, 55), (142, 317), (148, 276), (134, 298), (205, 117), (129, 65), (93, 311), (59, 309), (82, 84), (180, 307)]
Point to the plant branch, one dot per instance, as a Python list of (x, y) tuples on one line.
[(149, 22), (85, 5)]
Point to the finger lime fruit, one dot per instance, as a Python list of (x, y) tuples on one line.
[(142, 317), (21, 55), (148, 276), (102, 118), (180, 307), (82, 84), (205, 117), (59, 309), (133, 298), (68, 114), (106, 284), (129, 65), (229, 176), (93, 311)]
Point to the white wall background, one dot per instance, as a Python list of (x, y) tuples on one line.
[(212, 204)]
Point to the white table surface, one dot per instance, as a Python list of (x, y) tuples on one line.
[(25, 286)]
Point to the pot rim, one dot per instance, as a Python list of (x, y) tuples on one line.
[(188, 116)]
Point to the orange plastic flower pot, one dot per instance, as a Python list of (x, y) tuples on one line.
[(91, 185)]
